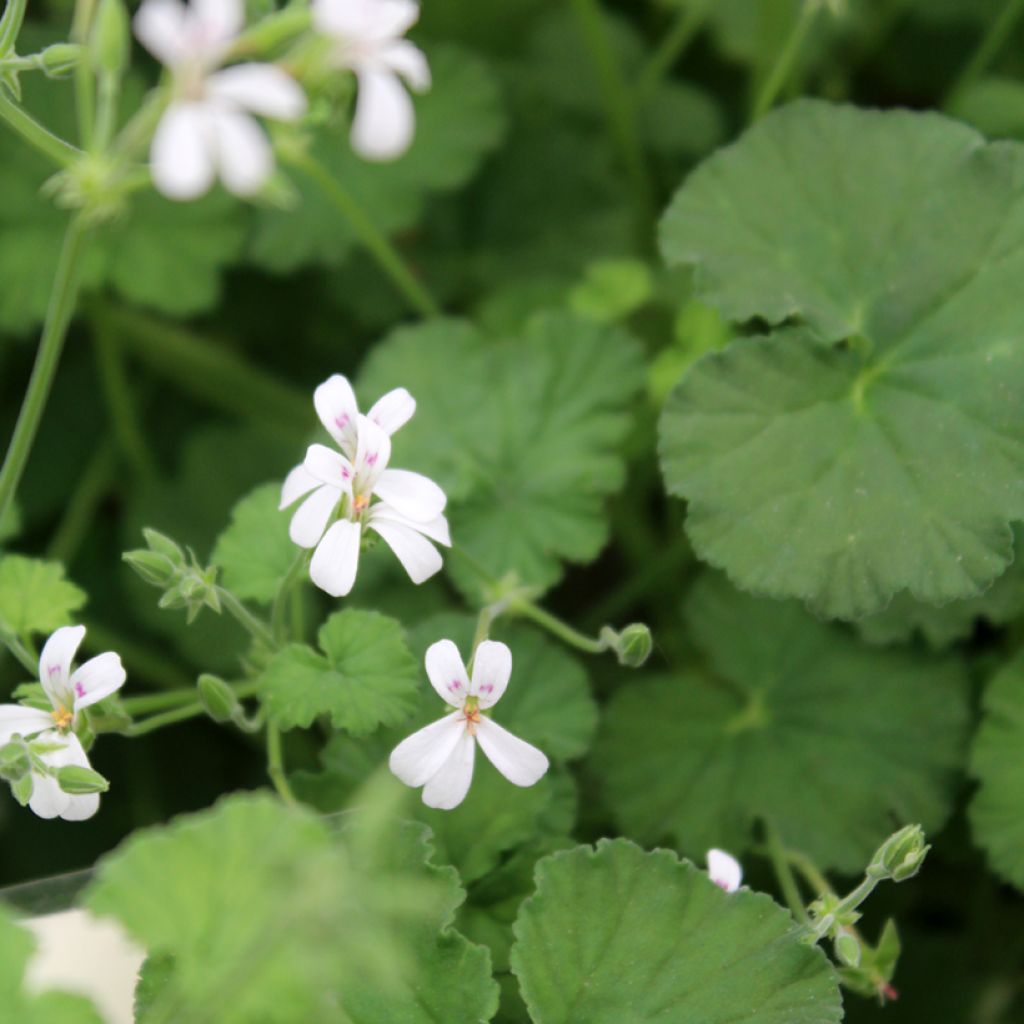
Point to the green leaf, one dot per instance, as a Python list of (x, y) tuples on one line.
[(255, 552), (617, 934), (35, 596), (524, 436), (842, 474), (458, 121), (16, 946), (791, 720), (256, 911), (365, 678), (996, 811)]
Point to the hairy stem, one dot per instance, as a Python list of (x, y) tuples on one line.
[(172, 717), (556, 627), (783, 65), (42, 139), (988, 47), (275, 765), (779, 857), (672, 46), (10, 25), (256, 628)]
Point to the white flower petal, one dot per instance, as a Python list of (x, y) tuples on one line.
[(448, 788), (18, 720), (492, 667), (385, 118), (393, 410), (336, 559), (419, 757), (418, 556), (217, 23), (520, 762), (180, 156), (410, 494), (263, 89), (160, 25), (447, 673), (373, 451), (83, 805), (48, 800), (436, 529), (245, 158), (409, 61), (313, 515), (55, 662), (329, 467), (724, 870), (364, 21), (297, 483), (335, 404), (99, 677)]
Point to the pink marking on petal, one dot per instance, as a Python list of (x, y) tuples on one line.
[(345, 473), (371, 458), (341, 422), (80, 689), (721, 885), (487, 688), (53, 670), (455, 685)]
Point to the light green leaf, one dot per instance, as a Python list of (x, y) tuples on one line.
[(16, 946), (35, 596), (997, 811), (844, 474), (255, 551), (791, 720), (617, 934), (365, 678), (458, 121), (524, 436)]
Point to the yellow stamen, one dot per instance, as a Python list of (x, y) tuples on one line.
[(62, 718)]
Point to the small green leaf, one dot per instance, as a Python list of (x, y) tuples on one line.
[(617, 934), (35, 597), (842, 474), (365, 678), (997, 811), (255, 551), (524, 436), (792, 720)]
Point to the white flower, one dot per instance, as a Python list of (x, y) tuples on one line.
[(52, 731), (410, 507), (724, 870), (208, 128), (367, 39), (440, 756)]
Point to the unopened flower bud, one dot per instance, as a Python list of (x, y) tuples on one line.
[(848, 949), (59, 59), (154, 568), (109, 42), (78, 780), (164, 545), (632, 646), (218, 698), (900, 857)]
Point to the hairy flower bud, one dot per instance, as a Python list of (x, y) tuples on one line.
[(900, 857), (78, 780), (632, 646), (110, 41), (218, 698)]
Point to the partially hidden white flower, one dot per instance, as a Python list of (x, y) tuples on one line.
[(208, 129), (724, 870), (52, 732), (367, 39), (408, 513), (440, 756)]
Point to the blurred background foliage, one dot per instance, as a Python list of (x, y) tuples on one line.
[(187, 378)]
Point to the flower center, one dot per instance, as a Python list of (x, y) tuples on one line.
[(62, 718), (360, 504), (471, 710)]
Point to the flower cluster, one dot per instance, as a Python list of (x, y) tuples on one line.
[(209, 128), (341, 487), (43, 743)]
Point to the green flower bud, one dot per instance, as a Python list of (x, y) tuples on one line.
[(154, 568), (110, 40), (632, 646), (59, 59), (22, 789), (847, 949), (78, 781), (164, 545), (900, 857), (218, 698), (15, 761)]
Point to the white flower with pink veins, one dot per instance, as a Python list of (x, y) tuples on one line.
[(208, 129), (440, 756), (52, 732), (366, 37), (724, 870), (340, 488)]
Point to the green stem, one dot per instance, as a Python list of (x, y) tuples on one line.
[(989, 46), (58, 316), (209, 371), (620, 113), (281, 599), (555, 626), (81, 506), (171, 717), (60, 152), (815, 879), (18, 649), (256, 628), (784, 62), (275, 765), (85, 95), (670, 49), (186, 695), (380, 247), (483, 628), (120, 401), (10, 25), (106, 117), (784, 873)]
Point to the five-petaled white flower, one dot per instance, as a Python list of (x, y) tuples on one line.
[(52, 732), (724, 870), (410, 505), (208, 128), (367, 39), (440, 756)]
